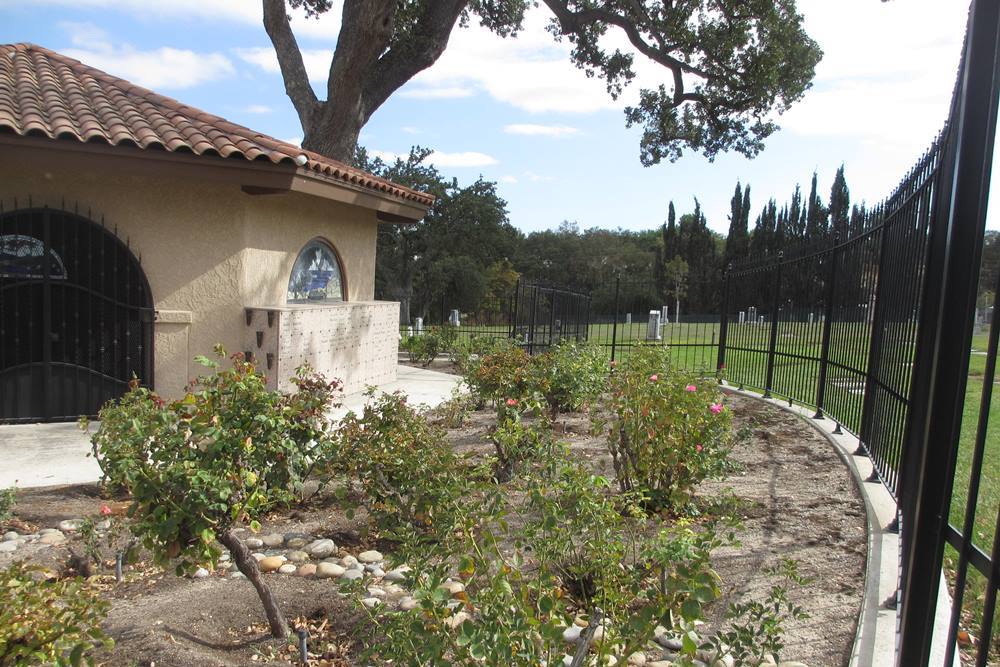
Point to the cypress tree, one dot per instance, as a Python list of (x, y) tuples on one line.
[(816, 213), (840, 205), (738, 240)]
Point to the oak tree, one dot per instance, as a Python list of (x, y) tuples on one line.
[(734, 65)]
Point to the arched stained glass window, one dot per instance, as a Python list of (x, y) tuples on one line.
[(316, 275)]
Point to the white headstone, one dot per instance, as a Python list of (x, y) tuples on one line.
[(743, 317), (454, 319), (628, 318), (419, 323), (653, 328)]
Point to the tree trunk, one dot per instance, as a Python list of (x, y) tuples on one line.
[(247, 564), (334, 131)]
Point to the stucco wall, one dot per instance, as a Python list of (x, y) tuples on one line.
[(208, 249)]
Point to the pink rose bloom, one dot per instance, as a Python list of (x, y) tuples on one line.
[(511, 402), (698, 448), (690, 387), (654, 377), (716, 408), (105, 510)]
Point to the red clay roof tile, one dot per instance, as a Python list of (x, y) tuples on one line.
[(44, 92)]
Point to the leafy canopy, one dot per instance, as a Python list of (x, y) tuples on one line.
[(733, 64)]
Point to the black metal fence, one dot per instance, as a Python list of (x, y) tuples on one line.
[(875, 332), (544, 315)]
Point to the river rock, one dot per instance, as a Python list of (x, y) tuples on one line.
[(52, 538), (376, 592), (8, 546), (320, 548), (306, 570), (254, 543), (352, 575), (200, 573), (329, 570), (637, 659), (456, 620), (453, 587), (371, 603), (273, 540), (371, 556), (70, 525), (571, 635), (349, 561), (237, 575), (270, 563), (10, 535), (398, 574), (298, 556), (287, 568), (407, 603)]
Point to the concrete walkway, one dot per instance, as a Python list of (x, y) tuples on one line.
[(49, 454)]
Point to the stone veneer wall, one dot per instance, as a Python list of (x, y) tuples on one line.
[(356, 342)]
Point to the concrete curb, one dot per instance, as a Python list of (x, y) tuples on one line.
[(876, 632)]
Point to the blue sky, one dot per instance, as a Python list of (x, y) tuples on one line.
[(516, 111)]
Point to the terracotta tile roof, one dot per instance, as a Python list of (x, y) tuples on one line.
[(46, 93)]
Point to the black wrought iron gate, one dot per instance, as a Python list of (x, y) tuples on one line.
[(75, 316)]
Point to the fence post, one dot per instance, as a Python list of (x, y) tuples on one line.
[(874, 347), (512, 321), (824, 354), (614, 325), (943, 342), (773, 343), (723, 324), (531, 324)]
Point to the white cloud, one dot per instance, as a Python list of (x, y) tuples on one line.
[(508, 179), (409, 129), (385, 156), (538, 178), (463, 159), (162, 68), (258, 108), (447, 92), (532, 130), (317, 61)]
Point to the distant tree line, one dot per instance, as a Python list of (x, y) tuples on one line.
[(466, 254)]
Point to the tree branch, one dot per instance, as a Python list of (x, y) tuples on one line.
[(419, 51), (293, 69), (571, 22)]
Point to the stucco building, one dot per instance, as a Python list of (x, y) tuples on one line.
[(137, 232)]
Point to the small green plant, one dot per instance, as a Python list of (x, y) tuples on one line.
[(454, 412), (504, 373), (408, 475), (8, 500), (425, 347), (757, 627), (668, 431), (516, 441), (229, 451), (570, 376), (49, 622)]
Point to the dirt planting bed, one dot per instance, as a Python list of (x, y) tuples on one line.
[(796, 499)]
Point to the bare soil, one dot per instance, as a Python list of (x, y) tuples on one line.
[(798, 501)]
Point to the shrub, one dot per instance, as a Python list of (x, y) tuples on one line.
[(407, 473), (516, 441), (48, 622), (516, 602), (228, 451), (8, 500), (668, 430), (504, 373), (426, 346), (570, 376)]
